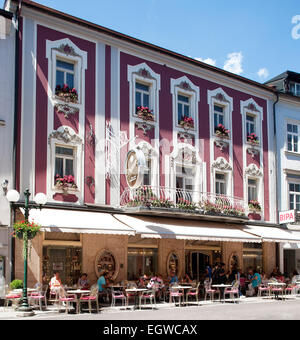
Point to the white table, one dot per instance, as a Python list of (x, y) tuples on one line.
[(136, 292), (276, 285), (222, 287)]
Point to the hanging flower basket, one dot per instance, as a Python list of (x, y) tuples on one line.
[(66, 93), (27, 230)]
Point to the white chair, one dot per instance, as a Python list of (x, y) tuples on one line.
[(233, 292), (39, 297), (210, 292), (90, 298), (176, 293), (118, 295), (148, 295), (193, 293), (66, 299)]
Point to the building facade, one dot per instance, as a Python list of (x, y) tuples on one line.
[(152, 162), (7, 71), (288, 160)]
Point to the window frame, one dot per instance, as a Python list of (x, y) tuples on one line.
[(248, 133), (65, 158), (295, 91), (142, 92), (293, 193), (252, 186), (293, 135), (66, 71), (219, 182)]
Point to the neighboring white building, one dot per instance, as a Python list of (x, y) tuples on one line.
[(288, 159), (7, 75)]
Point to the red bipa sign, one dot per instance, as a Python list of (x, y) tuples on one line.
[(287, 217)]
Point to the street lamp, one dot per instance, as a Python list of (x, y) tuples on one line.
[(40, 199)]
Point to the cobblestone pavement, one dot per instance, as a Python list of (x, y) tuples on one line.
[(246, 309)]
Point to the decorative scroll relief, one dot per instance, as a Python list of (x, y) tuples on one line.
[(145, 127), (185, 156), (66, 110), (253, 170), (67, 50), (143, 72), (221, 97), (222, 164), (220, 143), (185, 86), (66, 136), (252, 107), (253, 152)]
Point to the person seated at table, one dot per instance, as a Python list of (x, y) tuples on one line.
[(255, 279), (55, 283), (222, 274), (264, 278), (142, 282), (174, 278), (186, 279), (102, 284), (83, 281), (296, 277)]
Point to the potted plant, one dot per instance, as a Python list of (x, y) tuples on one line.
[(186, 205), (221, 131), (25, 229), (65, 183), (187, 123), (66, 93), (254, 206), (145, 113), (253, 139), (16, 284)]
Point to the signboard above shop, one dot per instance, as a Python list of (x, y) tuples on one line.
[(287, 217)]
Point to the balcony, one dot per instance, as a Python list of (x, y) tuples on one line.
[(183, 203)]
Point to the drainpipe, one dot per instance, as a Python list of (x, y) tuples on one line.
[(15, 136)]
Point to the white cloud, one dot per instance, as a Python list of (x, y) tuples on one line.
[(263, 73), (209, 61), (234, 63)]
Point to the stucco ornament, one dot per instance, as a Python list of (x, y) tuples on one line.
[(66, 110), (253, 170), (222, 164), (67, 50), (65, 136)]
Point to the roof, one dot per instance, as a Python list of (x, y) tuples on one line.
[(6, 14), (284, 75), (50, 11)]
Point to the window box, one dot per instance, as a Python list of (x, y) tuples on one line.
[(253, 139), (222, 132), (65, 183), (66, 94), (254, 206), (145, 113), (187, 123)]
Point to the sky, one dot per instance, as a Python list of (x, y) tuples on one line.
[(256, 39)]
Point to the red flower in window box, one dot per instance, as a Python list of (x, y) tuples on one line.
[(145, 113), (254, 206), (187, 123), (66, 93), (253, 138), (65, 183), (221, 131)]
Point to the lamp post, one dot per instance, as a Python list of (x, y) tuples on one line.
[(40, 199)]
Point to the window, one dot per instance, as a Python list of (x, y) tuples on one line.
[(221, 184), (294, 196), (252, 190), (250, 124), (219, 115), (65, 73), (184, 178), (293, 137), (147, 171), (142, 95), (184, 109), (295, 89), (64, 161), (141, 262)]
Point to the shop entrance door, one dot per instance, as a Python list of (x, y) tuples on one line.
[(58, 262), (196, 264)]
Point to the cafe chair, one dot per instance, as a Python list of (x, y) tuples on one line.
[(233, 293), (90, 298), (193, 293), (148, 295), (276, 291), (37, 298), (66, 299), (210, 292), (118, 295), (12, 297), (263, 290), (176, 293)]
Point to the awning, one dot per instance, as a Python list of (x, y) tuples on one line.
[(271, 234), (165, 228), (83, 222)]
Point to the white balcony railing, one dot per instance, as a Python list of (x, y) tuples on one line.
[(183, 200)]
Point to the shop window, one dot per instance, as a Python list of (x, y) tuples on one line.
[(293, 138), (142, 262), (253, 257), (294, 195)]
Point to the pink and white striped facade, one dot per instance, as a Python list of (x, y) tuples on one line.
[(107, 67)]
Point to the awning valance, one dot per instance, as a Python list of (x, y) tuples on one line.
[(74, 221), (271, 234), (166, 228)]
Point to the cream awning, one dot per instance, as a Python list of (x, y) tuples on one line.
[(166, 228), (271, 234), (74, 221)]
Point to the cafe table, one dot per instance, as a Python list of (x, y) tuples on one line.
[(78, 293), (222, 288), (277, 285), (136, 292)]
